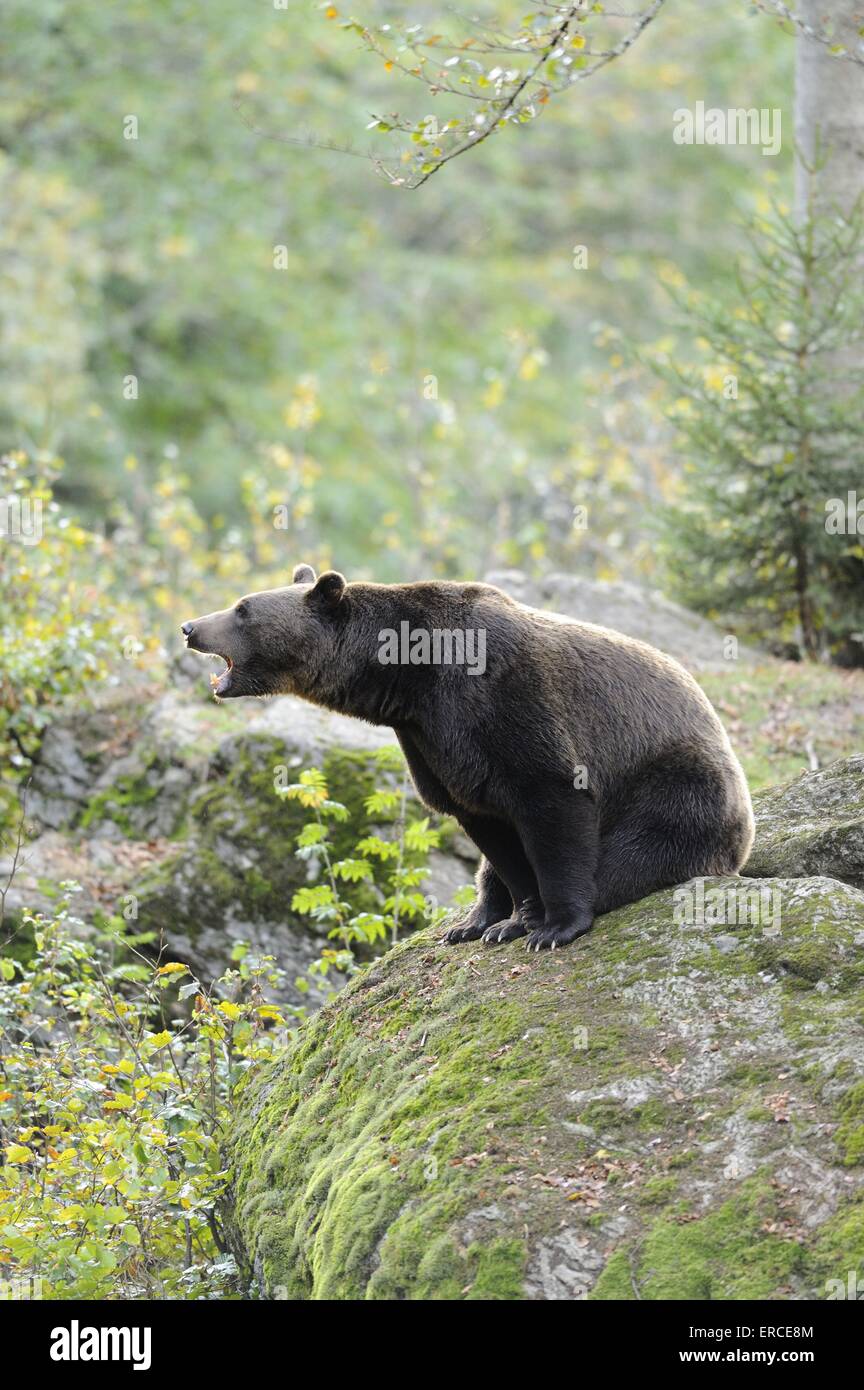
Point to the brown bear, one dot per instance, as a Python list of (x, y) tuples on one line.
[(588, 768)]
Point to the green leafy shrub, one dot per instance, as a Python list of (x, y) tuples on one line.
[(117, 1072), (118, 1067)]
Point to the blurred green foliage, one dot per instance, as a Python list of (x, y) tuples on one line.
[(432, 363), (81, 606), (58, 622)]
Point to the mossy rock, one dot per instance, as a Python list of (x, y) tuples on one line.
[(814, 825), (235, 873), (172, 801), (646, 1114)]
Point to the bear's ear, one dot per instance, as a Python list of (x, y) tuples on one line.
[(329, 590), (304, 574)]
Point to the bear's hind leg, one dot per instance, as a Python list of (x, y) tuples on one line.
[(505, 882), (561, 839), (493, 904), (676, 826)]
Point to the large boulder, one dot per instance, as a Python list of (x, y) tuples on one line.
[(166, 809), (814, 825), (131, 766), (671, 1109)]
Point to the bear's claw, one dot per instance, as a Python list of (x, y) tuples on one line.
[(503, 931), (527, 922), (547, 938), (465, 931)]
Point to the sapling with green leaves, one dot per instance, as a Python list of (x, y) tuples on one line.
[(393, 868), (769, 405)]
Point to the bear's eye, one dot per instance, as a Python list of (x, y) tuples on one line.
[(242, 610)]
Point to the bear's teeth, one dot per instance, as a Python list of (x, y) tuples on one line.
[(216, 677)]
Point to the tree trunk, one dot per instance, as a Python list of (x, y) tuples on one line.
[(829, 104)]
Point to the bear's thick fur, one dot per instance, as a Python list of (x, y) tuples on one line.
[(588, 768)]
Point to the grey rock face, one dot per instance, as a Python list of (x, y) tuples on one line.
[(814, 825), (166, 808)]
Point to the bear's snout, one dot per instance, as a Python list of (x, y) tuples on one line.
[(202, 636), (193, 633), (212, 635)]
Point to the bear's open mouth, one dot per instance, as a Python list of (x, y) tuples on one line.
[(221, 681)]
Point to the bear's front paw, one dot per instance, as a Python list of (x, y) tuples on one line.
[(504, 931), (528, 915), (470, 930), (551, 935)]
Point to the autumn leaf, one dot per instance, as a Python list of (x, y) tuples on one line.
[(18, 1153)]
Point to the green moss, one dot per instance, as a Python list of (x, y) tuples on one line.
[(683, 1159), (843, 1070), (609, 1040), (378, 1164), (500, 1270), (416, 1141), (811, 948), (728, 1254), (658, 1191), (850, 1135), (750, 1075), (116, 803), (440, 1272), (839, 1247), (613, 1116)]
